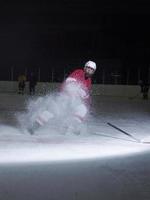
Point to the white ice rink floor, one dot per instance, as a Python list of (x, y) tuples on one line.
[(102, 164)]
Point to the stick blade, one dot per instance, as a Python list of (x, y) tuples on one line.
[(146, 140)]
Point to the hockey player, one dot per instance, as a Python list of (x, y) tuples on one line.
[(76, 86)]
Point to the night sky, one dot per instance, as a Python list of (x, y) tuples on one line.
[(67, 33)]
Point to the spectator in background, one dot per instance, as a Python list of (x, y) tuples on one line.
[(32, 83), (144, 88), (21, 83)]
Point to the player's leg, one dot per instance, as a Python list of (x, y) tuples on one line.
[(40, 121)]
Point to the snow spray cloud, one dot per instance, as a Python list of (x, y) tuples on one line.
[(65, 110)]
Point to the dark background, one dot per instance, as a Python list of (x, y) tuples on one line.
[(52, 38)]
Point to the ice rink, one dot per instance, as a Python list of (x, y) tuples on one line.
[(102, 163)]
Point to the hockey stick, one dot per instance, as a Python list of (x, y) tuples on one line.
[(109, 136), (136, 139)]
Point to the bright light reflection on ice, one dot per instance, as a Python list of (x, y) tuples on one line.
[(18, 148)]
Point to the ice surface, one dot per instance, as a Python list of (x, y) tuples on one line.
[(98, 140), (100, 164)]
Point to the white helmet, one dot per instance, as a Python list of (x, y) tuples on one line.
[(91, 64)]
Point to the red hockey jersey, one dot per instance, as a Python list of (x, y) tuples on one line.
[(78, 77)]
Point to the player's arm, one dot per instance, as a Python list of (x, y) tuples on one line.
[(73, 86), (74, 76)]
